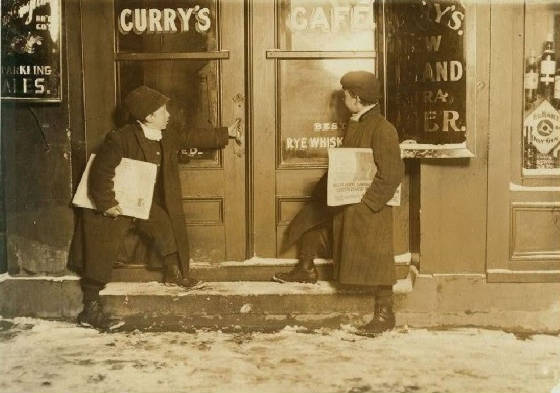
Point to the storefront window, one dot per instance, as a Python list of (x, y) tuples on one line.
[(307, 132), (156, 26), (318, 41), (310, 25), (541, 118), (165, 44), (427, 74)]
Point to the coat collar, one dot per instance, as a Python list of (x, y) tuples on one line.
[(369, 113), (356, 116), (143, 141), (150, 133)]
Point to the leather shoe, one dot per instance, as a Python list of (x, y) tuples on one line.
[(172, 275), (383, 320), (93, 316), (298, 274)]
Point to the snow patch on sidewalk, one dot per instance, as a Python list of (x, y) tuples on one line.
[(224, 288), (49, 356), (6, 276)]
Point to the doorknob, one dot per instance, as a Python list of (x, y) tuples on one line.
[(239, 113)]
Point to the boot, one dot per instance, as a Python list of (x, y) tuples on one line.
[(172, 275), (383, 318), (93, 316), (305, 271)]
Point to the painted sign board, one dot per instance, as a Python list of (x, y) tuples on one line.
[(426, 71), (31, 50)]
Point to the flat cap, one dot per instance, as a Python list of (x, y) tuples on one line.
[(143, 101), (364, 84)]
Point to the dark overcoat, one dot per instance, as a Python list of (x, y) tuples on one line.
[(98, 238), (363, 232)]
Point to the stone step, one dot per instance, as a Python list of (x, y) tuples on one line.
[(256, 269), (437, 300), (241, 305)]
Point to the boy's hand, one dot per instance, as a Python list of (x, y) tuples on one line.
[(114, 211), (234, 130)]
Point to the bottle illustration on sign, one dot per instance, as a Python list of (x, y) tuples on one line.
[(556, 101), (541, 124), (531, 81), (541, 138), (548, 69), (529, 150)]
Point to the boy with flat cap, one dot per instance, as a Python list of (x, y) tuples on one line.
[(98, 238), (359, 236)]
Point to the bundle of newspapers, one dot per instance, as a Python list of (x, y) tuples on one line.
[(351, 172), (134, 183)]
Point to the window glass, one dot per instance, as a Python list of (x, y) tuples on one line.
[(193, 89), (427, 70), (541, 120), (312, 113), (327, 25), (159, 26)]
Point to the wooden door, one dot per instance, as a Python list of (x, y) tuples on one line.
[(193, 51), (299, 50)]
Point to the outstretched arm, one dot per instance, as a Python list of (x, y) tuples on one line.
[(213, 138)]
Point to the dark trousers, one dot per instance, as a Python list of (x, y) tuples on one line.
[(316, 243), (157, 230)]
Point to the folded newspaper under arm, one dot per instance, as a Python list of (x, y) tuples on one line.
[(351, 171), (134, 187)]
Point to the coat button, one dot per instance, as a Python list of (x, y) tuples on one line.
[(158, 153)]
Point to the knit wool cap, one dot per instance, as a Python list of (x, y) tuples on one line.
[(144, 101), (363, 84)]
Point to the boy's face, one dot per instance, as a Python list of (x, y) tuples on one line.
[(352, 103), (158, 119)]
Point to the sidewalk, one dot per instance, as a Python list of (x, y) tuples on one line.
[(49, 356)]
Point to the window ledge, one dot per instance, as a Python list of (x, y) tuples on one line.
[(424, 150)]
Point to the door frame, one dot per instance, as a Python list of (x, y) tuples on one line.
[(100, 101)]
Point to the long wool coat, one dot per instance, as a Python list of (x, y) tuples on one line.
[(98, 238), (363, 232)]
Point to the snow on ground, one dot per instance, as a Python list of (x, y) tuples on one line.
[(50, 356)]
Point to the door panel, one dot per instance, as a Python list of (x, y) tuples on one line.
[(297, 109), (196, 62)]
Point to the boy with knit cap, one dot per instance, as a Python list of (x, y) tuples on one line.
[(100, 233)]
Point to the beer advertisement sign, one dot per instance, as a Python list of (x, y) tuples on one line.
[(31, 50), (541, 140), (426, 70), (543, 125)]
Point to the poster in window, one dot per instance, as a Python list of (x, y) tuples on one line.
[(541, 84), (426, 71), (31, 50)]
